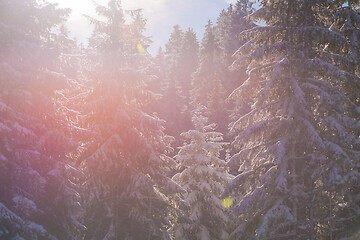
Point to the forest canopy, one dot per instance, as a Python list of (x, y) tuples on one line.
[(250, 133)]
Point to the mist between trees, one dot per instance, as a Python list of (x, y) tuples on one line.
[(250, 133)]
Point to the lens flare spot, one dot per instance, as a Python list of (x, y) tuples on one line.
[(227, 202), (140, 48)]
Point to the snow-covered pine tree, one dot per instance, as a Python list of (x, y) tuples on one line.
[(172, 50), (172, 105), (188, 62), (37, 200), (229, 24), (160, 61), (136, 37), (158, 85), (299, 147), (207, 85), (347, 23), (128, 191), (181, 60), (223, 25), (203, 176)]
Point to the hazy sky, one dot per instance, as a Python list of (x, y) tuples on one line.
[(162, 15)]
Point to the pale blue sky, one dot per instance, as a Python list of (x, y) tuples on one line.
[(162, 15)]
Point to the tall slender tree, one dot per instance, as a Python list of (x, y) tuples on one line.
[(208, 80), (203, 177), (172, 106), (230, 23), (299, 148), (127, 184), (37, 200), (188, 62), (347, 22)]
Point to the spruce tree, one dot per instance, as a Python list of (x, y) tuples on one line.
[(207, 89), (159, 84), (203, 176), (299, 147), (180, 62), (172, 51), (172, 105), (230, 24), (346, 22), (128, 191), (188, 62), (37, 200)]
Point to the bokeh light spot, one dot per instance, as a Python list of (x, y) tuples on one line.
[(140, 48), (227, 202)]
